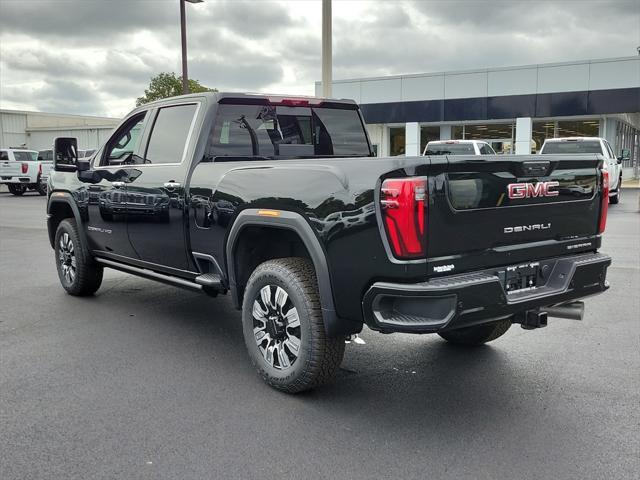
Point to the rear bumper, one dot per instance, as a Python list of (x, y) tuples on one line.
[(16, 179), (459, 301)]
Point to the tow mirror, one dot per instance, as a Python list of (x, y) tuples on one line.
[(626, 154), (65, 154)]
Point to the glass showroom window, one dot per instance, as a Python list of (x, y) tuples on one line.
[(581, 128), (541, 131), (428, 134), (498, 135), (396, 141)]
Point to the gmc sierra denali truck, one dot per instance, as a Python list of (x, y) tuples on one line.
[(280, 202)]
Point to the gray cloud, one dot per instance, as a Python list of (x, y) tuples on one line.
[(97, 56)]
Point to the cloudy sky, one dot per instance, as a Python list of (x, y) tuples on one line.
[(96, 56)]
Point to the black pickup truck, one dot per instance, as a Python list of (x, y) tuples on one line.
[(281, 203)]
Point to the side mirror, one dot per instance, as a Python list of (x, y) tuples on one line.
[(626, 154), (40, 158), (65, 154)]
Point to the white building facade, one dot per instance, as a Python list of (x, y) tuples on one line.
[(36, 130), (513, 108)]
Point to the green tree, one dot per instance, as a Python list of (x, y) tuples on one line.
[(165, 85)]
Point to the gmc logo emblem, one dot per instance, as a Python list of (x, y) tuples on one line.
[(531, 190)]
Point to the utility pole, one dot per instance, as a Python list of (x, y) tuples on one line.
[(183, 35), (327, 59)]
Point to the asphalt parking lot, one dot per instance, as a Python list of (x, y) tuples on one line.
[(147, 381)]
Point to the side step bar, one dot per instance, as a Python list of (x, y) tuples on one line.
[(151, 275)]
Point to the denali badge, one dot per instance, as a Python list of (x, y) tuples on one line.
[(529, 190), (528, 228), (443, 268)]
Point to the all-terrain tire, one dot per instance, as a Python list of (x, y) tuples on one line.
[(41, 187), (266, 310), (78, 272), (17, 189), (616, 198), (479, 334)]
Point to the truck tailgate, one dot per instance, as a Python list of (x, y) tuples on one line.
[(500, 210), (9, 168)]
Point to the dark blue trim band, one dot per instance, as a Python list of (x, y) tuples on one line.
[(566, 104)]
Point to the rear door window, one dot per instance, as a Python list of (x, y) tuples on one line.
[(272, 131), (169, 135), (4, 155)]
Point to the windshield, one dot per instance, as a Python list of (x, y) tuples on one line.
[(450, 149), (25, 156), (287, 132), (589, 146)]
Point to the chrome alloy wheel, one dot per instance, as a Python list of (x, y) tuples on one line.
[(67, 258), (276, 327)]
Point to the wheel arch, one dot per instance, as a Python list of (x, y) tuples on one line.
[(295, 224), (59, 207)]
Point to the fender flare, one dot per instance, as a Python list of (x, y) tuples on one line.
[(295, 222), (67, 198)]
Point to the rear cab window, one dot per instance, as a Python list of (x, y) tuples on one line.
[(450, 149), (575, 147), (24, 156), (281, 131), (4, 155)]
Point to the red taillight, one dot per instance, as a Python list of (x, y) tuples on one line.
[(25, 167), (604, 201), (39, 169), (403, 204)]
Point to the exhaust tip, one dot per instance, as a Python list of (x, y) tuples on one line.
[(571, 311)]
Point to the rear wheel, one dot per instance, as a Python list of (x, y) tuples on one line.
[(41, 187), (283, 327), (616, 198), (477, 335), (78, 273), (17, 188)]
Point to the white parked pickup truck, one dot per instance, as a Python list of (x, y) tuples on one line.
[(21, 170), (458, 147), (580, 145)]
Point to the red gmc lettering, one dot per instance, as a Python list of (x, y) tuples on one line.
[(532, 190)]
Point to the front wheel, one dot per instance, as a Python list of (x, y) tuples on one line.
[(283, 327), (78, 273), (616, 198), (479, 334), (17, 189)]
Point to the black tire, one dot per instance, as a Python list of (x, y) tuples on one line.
[(318, 356), (477, 335), (41, 187), (17, 189), (77, 271), (616, 198)]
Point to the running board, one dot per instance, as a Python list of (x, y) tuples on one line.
[(150, 274), (211, 280)]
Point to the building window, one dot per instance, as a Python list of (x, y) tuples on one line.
[(428, 134), (583, 128), (396, 141), (541, 131), (499, 135)]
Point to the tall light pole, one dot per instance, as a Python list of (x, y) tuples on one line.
[(183, 35), (327, 59)]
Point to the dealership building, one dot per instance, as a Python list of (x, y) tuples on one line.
[(513, 108), (36, 130)]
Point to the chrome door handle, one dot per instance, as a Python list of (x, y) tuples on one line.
[(117, 184), (171, 185)]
